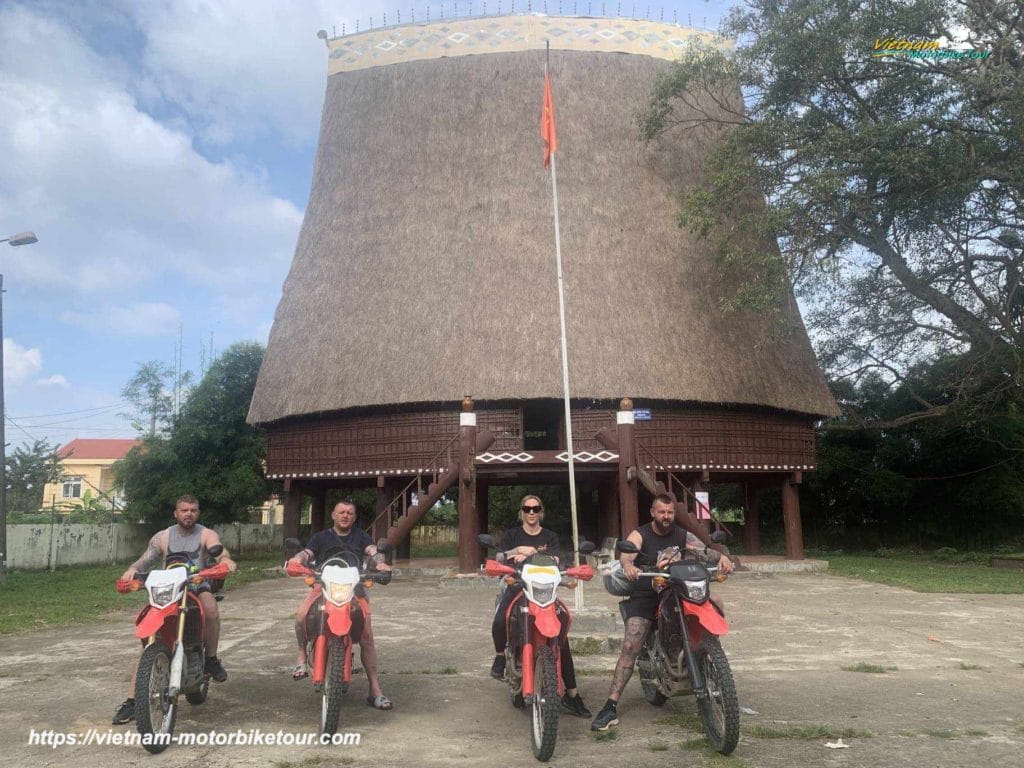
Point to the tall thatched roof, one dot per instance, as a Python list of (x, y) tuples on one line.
[(425, 267)]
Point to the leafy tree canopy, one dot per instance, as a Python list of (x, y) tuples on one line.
[(210, 452), (29, 468), (151, 393), (893, 181)]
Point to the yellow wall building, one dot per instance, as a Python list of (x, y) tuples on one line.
[(88, 468)]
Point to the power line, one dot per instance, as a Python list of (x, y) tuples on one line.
[(70, 413)]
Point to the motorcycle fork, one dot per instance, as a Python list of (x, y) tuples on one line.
[(320, 648), (696, 675), (527, 653)]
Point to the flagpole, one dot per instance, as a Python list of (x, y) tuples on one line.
[(578, 592)]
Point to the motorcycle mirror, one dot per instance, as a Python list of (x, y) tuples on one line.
[(292, 542), (384, 546), (215, 550), (626, 547), (586, 547), (487, 540), (719, 537)]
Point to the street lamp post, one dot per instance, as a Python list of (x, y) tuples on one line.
[(22, 238)]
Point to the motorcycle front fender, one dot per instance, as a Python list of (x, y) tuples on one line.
[(707, 616), (177, 668), (150, 619), (545, 620), (339, 618)]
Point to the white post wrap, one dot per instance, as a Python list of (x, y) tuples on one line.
[(467, 419)]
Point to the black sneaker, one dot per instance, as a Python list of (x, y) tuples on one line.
[(215, 669), (575, 706), (608, 716), (498, 667), (125, 713)]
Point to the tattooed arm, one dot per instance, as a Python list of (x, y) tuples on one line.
[(152, 557)]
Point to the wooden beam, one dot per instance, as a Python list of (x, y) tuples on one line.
[(292, 510), (791, 519), (628, 514), (318, 513), (469, 523), (751, 520)]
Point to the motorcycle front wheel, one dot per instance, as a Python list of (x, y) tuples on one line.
[(719, 708), (334, 685), (546, 705), (155, 711)]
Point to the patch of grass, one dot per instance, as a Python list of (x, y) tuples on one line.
[(434, 550), (610, 735), (977, 732), (595, 672), (447, 671), (1019, 728), (941, 733), (965, 665), (658, 746), (713, 759), (313, 761), (863, 666), (82, 594), (921, 573), (682, 720), (806, 732), (585, 646)]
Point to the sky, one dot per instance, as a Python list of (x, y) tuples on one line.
[(162, 153)]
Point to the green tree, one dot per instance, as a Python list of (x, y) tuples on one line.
[(210, 452), (29, 468), (893, 183), (151, 393)]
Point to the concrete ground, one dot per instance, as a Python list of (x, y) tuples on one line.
[(954, 697)]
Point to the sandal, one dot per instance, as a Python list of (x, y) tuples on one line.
[(379, 702), (300, 672)]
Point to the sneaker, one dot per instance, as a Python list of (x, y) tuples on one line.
[(215, 669), (498, 667), (125, 713), (608, 716), (574, 705)]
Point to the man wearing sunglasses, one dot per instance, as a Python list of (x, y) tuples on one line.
[(518, 543)]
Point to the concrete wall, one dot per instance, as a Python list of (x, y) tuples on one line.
[(37, 547)]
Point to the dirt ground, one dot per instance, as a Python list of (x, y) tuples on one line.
[(954, 698)]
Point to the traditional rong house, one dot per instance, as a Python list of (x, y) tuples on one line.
[(425, 272)]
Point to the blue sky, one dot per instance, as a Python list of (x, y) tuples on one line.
[(162, 153)]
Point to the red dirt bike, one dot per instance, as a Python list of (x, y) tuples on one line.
[(174, 658), (334, 624), (533, 668), (682, 653)]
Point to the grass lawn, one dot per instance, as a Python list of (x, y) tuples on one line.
[(922, 574), (40, 599)]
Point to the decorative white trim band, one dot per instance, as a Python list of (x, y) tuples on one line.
[(624, 417), (504, 458), (467, 419), (585, 456)]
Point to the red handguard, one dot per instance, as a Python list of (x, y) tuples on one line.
[(218, 571), (493, 568), (293, 568), (124, 586), (583, 572)]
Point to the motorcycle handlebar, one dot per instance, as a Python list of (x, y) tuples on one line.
[(124, 586)]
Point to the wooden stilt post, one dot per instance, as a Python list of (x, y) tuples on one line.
[(751, 520), (791, 516), (292, 508), (469, 523), (482, 505), (608, 510), (628, 515), (318, 514), (385, 495)]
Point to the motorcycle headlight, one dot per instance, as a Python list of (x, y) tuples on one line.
[(544, 594), (339, 594), (697, 590), (162, 595)]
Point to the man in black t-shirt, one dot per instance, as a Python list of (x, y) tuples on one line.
[(343, 532), (517, 544)]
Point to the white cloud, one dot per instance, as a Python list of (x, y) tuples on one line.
[(54, 381), (20, 364), (118, 198), (240, 68), (135, 319)]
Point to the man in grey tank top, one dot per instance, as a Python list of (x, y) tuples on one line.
[(188, 537)]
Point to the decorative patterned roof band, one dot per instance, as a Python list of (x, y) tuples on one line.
[(509, 34)]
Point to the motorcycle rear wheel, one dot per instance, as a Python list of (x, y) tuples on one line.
[(198, 696), (546, 706), (334, 686), (647, 661), (719, 709), (155, 713)]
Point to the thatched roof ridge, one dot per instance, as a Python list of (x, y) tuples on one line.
[(425, 265)]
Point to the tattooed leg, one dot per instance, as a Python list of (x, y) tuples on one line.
[(636, 631)]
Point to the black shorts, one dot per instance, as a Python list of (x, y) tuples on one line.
[(642, 604)]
